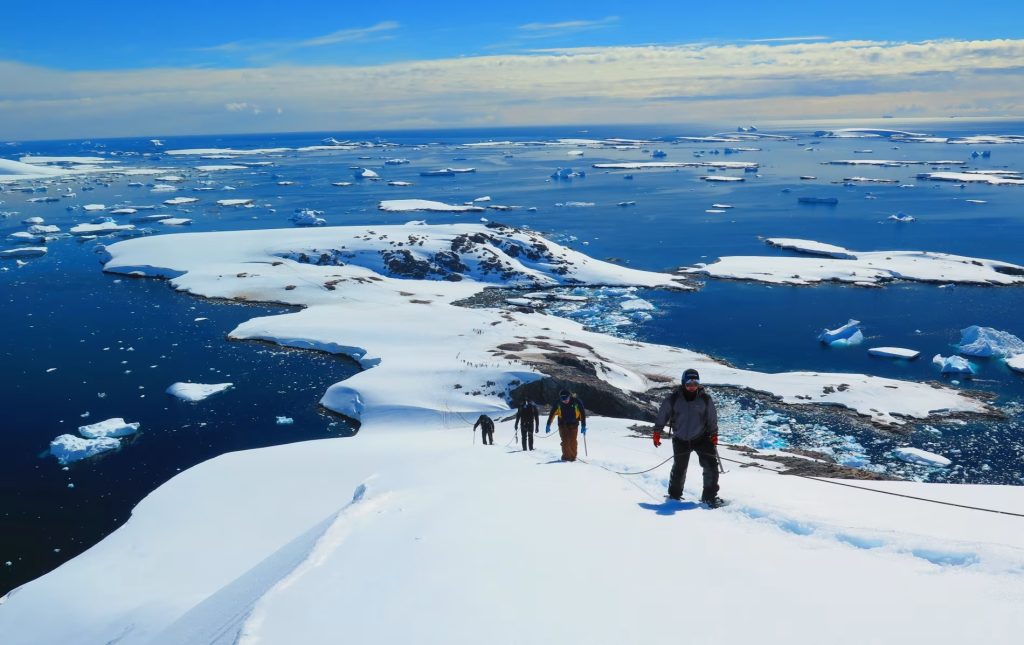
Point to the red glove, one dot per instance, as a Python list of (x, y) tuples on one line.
[(657, 438), (714, 439)]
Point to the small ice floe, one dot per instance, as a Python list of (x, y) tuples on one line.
[(721, 206), (575, 153), (115, 427), (341, 183), (567, 174), (90, 208), (178, 201), (402, 205), (286, 183), (102, 228), (31, 221), (365, 173), (954, 365), (151, 218), (894, 352), (234, 202), (574, 204), (395, 162), (163, 188), (921, 457), (399, 183), (308, 217), (636, 304), (1016, 363), (659, 154), (68, 448), (976, 201), (808, 177), (714, 211), (123, 211), (848, 334), (625, 204), (902, 217), (285, 421), (170, 178), (196, 391), (43, 229), (175, 221), (218, 167), (24, 252), (1013, 179), (485, 198), (988, 342), (721, 179)]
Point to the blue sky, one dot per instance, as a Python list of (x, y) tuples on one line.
[(114, 68), (185, 33)]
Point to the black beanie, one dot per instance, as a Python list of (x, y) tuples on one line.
[(691, 375)]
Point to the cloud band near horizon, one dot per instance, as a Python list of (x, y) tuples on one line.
[(650, 84)]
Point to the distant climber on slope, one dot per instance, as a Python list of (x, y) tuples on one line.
[(527, 420), (486, 425), (571, 419)]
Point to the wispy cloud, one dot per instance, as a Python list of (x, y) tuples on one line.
[(652, 84), (786, 39), (547, 29), (350, 35)]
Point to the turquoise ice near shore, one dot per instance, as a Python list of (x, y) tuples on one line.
[(86, 346)]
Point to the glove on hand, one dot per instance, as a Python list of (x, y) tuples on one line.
[(547, 428), (714, 439), (657, 439), (583, 429)]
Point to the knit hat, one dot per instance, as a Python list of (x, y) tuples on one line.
[(691, 375)]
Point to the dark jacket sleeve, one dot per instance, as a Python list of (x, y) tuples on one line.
[(583, 413), (478, 422), (554, 410), (712, 420), (519, 414), (664, 413), (536, 416)]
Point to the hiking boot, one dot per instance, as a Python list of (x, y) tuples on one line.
[(674, 498), (713, 502)]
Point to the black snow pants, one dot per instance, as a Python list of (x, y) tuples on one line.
[(706, 455), (527, 436)]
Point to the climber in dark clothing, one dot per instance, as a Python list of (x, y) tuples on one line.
[(486, 429), (691, 416), (572, 418), (528, 420)]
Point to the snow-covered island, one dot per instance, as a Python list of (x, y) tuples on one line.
[(862, 268)]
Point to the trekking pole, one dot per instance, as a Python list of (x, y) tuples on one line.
[(586, 453), (721, 466)]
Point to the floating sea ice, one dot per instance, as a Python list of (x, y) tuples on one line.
[(365, 173), (30, 221), (986, 342), (894, 352), (115, 427), (636, 304), (43, 229), (123, 211), (921, 457), (485, 198), (100, 229), (848, 334), (575, 204), (341, 183), (624, 204), (177, 201), (902, 217), (308, 217), (399, 183), (24, 252), (1016, 363), (975, 201), (93, 207), (196, 391), (721, 206), (285, 421), (954, 365), (402, 205), (714, 211), (175, 221), (234, 202), (68, 448)]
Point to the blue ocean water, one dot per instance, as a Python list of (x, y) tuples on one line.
[(114, 344)]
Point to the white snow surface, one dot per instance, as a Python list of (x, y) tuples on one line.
[(103, 228), (115, 427), (308, 542), (862, 267), (971, 177), (196, 391), (305, 542), (1016, 363)]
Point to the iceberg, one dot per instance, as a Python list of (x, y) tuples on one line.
[(284, 421), (954, 365), (894, 352), (987, 342), (1016, 363), (403, 205), (308, 217), (567, 174), (115, 427), (365, 173), (921, 457), (177, 201), (24, 252), (902, 217), (848, 334), (68, 448), (196, 391)]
